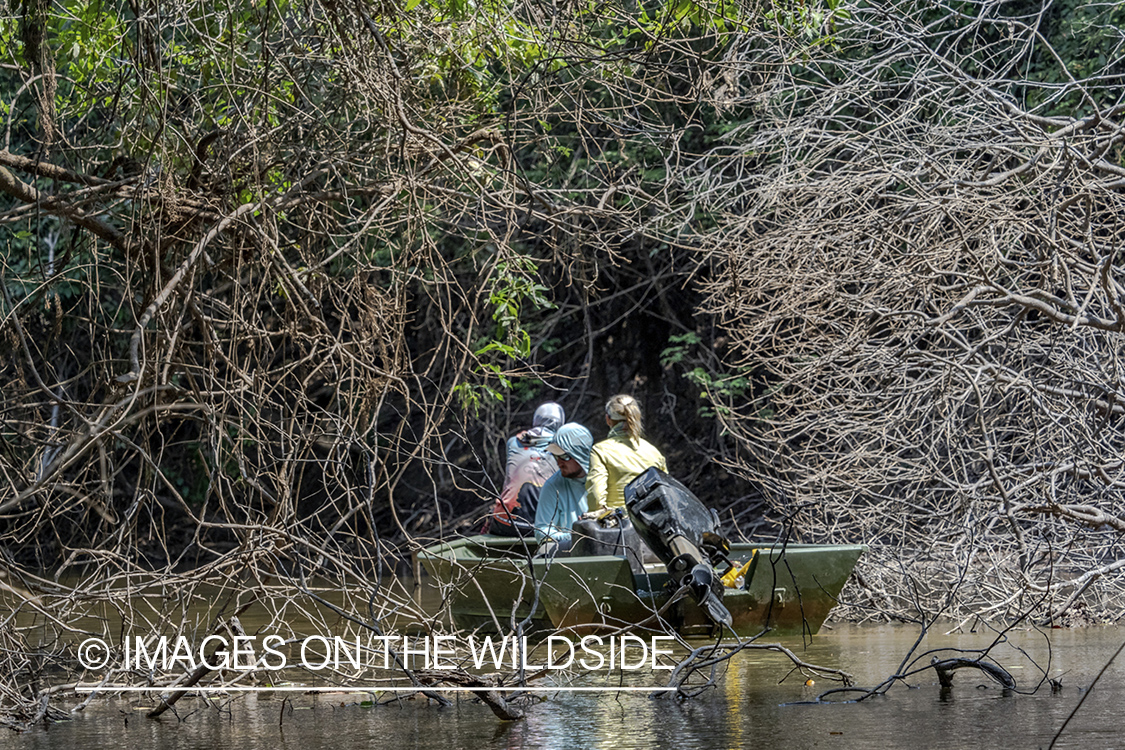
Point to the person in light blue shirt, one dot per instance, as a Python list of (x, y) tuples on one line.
[(562, 499)]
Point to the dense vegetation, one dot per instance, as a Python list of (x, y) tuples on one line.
[(279, 277)]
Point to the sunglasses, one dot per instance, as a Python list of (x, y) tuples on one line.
[(562, 457)]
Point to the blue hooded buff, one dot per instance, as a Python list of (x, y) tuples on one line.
[(562, 500)]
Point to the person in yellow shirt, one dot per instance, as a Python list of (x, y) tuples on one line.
[(622, 456)]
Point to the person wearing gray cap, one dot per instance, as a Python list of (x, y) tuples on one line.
[(562, 500), (529, 465)]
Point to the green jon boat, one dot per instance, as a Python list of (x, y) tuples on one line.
[(491, 583)]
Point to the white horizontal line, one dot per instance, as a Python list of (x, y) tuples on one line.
[(295, 689)]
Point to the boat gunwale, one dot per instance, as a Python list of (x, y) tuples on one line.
[(441, 550)]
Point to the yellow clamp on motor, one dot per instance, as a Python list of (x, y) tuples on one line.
[(731, 578), (600, 514)]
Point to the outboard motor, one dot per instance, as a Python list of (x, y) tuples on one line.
[(683, 534)]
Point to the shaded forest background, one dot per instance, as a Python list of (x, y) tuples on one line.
[(279, 278)]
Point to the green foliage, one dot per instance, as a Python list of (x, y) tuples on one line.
[(471, 397), (810, 22), (680, 345), (515, 289), (89, 43), (684, 16), (1087, 39), (719, 389), (492, 44)]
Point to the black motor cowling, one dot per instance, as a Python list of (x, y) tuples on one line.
[(683, 534)]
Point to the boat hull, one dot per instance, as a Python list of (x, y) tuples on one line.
[(493, 584)]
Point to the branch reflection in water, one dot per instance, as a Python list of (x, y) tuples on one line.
[(753, 704)]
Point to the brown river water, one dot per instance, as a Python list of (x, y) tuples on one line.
[(758, 703)]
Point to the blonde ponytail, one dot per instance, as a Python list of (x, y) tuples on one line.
[(624, 408)]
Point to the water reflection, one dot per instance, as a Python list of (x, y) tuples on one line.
[(754, 706)]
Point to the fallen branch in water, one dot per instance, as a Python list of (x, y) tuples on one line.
[(490, 692), (712, 655), (913, 664), (946, 667), (234, 627)]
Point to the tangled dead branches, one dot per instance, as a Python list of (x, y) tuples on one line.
[(918, 265)]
